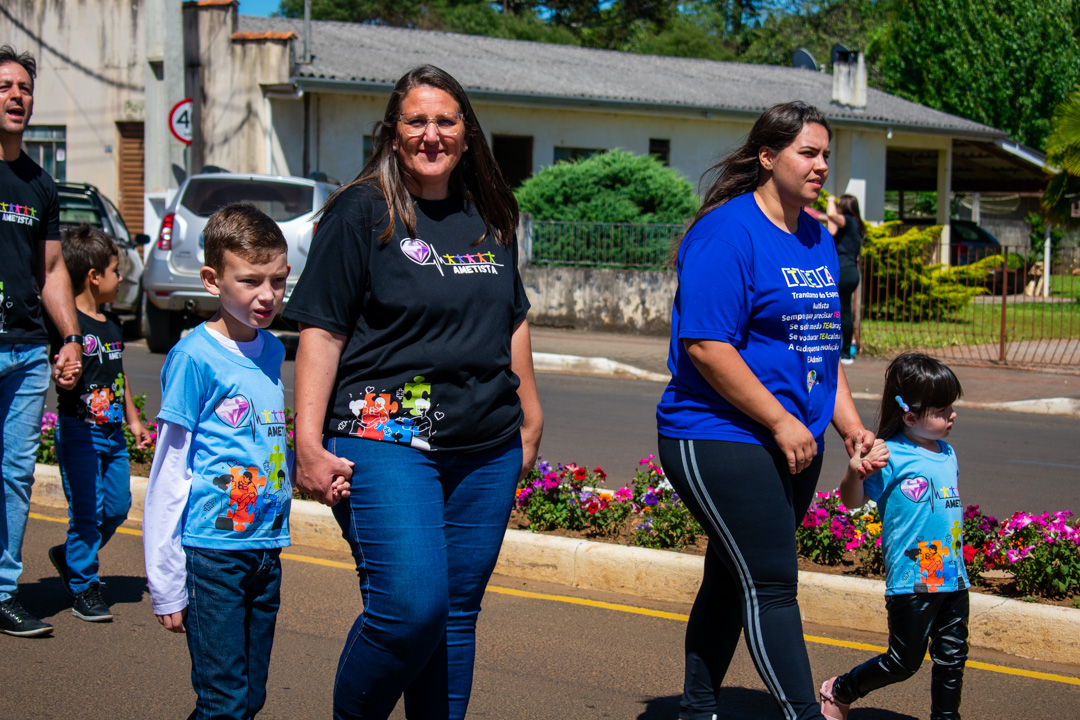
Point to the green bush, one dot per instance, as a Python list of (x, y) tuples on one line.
[(614, 186), (900, 283)]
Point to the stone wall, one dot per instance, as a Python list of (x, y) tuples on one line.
[(633, 301)]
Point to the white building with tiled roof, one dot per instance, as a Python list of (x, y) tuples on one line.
[(259, 107)]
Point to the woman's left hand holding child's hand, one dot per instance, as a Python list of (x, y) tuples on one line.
[(865, 462), (143, 438)]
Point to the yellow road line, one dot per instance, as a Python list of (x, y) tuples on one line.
[(590, 603), (630, 609)]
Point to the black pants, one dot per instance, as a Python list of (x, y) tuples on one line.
[(749, 504), (849, 282), (915, 620)]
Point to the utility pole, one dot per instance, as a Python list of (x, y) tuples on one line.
[(165, 157)]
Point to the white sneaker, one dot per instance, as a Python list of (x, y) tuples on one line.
[(847, 361)]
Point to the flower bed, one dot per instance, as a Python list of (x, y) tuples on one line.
[(1039, 554), (1034, 556)]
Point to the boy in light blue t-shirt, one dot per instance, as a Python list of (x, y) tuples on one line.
[(217, 503), (922, 517)]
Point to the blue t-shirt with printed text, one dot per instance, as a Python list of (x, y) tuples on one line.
[(770, 294), (922, 518), (234, 408)]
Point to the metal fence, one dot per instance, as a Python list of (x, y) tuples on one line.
[(985, 308), (989, 305), (639, 246)]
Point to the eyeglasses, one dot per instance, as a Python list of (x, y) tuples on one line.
[(446, 124)]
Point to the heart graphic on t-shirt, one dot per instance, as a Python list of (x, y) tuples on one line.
[(233, 410), (417, 250), (914, 488), (89, 344)]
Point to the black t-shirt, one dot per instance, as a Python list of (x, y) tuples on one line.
[(427, 321), (848, 242), (29, 215), (98, 396)]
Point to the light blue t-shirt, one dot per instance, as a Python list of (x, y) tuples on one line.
[(773, 296), (922, 519), (234, 408)]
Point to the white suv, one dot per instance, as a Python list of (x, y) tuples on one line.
[(174, 292)]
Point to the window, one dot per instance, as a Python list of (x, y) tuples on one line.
[(47, 146), (514, 156), (575, 153), (661, 148)]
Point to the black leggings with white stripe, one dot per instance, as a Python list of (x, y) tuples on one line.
[(749, 504)]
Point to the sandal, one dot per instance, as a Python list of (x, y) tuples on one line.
[(831, 708)]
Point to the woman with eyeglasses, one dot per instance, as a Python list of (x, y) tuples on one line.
[(416, 401), (755, 382)]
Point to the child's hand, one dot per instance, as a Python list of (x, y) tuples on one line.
[(867, 463), (339, 489), (142, 435), (173, 622)]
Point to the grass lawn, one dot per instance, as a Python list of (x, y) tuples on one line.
[(978, 324)]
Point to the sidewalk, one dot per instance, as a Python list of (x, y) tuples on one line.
[(1055, 393)]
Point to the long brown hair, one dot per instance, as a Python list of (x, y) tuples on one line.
[(740, 172), (849, 205), (476, 178)]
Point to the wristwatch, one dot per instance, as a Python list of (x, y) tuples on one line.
[(73, 339)]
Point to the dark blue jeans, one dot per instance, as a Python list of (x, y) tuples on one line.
[(233, 599), (97, 482), (425, 530), (749, 504)]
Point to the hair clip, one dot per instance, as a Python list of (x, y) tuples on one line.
[(903, 405)]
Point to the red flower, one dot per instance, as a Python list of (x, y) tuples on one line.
[(601, 473), (969, 553)]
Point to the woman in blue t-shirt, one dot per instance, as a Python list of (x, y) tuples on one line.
[(755, 380)]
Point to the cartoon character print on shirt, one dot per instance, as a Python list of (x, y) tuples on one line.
[(403, 416), (105, 405), (934, 563), (5, 305), (252, 493), (422, 253)]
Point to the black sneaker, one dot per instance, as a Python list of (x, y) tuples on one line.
[(90, 607), (14, 620), (58, 558)]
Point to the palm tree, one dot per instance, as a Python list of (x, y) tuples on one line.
[(1063, 152)]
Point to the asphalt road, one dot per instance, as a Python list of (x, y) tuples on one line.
[(546, 652), (1008, 461)]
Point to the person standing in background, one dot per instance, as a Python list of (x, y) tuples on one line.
[(848, 230)]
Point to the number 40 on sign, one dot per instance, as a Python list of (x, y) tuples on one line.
[(180, 121)]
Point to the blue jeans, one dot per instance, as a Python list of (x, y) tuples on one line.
[(233, 600), (24, 378), (425, 530), (97, 482)]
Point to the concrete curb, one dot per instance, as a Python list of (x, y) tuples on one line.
[(578, 365), (1040, 632)]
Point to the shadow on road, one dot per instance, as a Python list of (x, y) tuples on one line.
[(48, 597), (746, 704)]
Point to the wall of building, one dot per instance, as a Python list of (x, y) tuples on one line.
[(90, 75), (234, 76), (634, 301)]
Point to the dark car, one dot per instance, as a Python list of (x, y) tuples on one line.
[(968, 241), (82, 203)]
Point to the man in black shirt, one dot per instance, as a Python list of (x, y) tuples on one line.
[(33, 277)]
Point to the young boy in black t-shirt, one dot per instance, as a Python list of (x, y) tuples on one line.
[(90, 442)]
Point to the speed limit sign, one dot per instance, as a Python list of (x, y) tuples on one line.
[(180, 121)]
